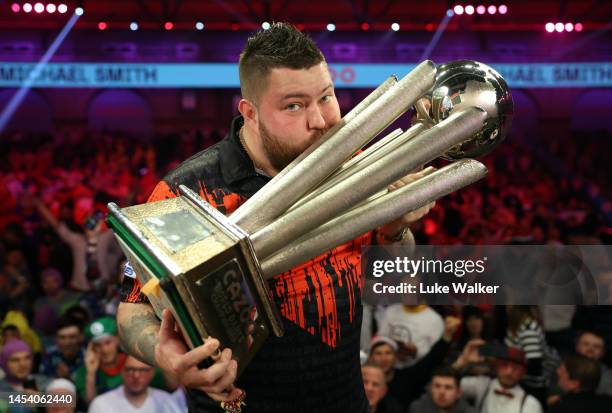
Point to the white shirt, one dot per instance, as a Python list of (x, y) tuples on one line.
[(482, 389), (157, 401), (422, 328)]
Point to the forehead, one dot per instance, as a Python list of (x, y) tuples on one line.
[(443, 380), (68, 330), (284, 82), (373, 373), (19, 355), (135, 363), (591, 338)]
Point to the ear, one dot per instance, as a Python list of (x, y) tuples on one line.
[(248, 111)]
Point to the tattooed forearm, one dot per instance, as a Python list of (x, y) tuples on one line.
[(138, 330)]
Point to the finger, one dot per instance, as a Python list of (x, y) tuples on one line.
[(193, 357), (226, 396), (212, 374), (166, 329), (225, 381)]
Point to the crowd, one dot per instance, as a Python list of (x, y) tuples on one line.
[(60, 269)]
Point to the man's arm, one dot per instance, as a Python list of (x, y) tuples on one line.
[(138, 330)]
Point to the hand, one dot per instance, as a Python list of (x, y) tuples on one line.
[(392, 228), (470, 353), (451, 325), (406, 351), (92, 359), (173, 357)]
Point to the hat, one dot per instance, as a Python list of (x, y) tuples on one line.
[(11, 347), (61, 384), (512, 354), (378, 340), (101, 328)]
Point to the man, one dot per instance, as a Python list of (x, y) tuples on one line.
[(135, 395), (376, 388), (67, 355), (103, 360), (591, 345), (579, 377), (502, 394), (288, 103), (444, 395), (66, 390)]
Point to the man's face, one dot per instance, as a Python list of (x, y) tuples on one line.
[(296, 109), (384, 356), (444, 391), (69, 340), (374, 383), (136, 376), (107, 348), (509, 373), (20, 365), (591, 346), (51, 285)]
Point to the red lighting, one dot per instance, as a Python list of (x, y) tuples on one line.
[(469, 9), (458, 9), (15, 7), (365, 26), (300, 26), (481, 9), (168, 25), (27, 7), (235, 26), (102, 25), (550, 27), (51, 8), (492, 9), (578, 27), (502, 9), (39, 8), (429, 27)]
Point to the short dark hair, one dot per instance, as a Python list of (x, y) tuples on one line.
[(447, 371), (68, 321), (586, 371), (281, 46)]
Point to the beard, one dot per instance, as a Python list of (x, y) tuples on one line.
[(282, 154)]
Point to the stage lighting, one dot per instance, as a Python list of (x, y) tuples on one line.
[(199, 26), (458, 9), (492, 9), (395, 27), (469, 9), (578, 27), (168, 25), (502, 9), (39, 7), (450, 13), (15, 7), (331, 27), (481, 9), (79, 11), (559, 27), (102, 26), (62, 8), (133, 26), (365, 26), (550, 27), (265, 25), (51, 8), (569, 27)]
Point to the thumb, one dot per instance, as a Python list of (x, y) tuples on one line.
[(166, 329)]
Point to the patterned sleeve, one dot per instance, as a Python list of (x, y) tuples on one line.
[(130, 286)]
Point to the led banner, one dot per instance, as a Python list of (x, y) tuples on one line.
[(225, 75)]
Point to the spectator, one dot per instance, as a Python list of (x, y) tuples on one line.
[(579, 377), (591, 345), (503, 394), (444, 395), (135, 395), (65, 389), (19, 320), (415, 328), (68, 354), (376, 390), (103, 360)]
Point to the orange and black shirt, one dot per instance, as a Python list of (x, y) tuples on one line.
[(315, 366)]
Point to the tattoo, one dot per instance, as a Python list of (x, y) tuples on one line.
[(138, 331)]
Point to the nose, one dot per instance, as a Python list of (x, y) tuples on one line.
[(315, 118)]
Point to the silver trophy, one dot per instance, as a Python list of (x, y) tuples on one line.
[(211, 270)]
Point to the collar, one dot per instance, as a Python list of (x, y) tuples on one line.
[(516, 390), (235, 162)]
